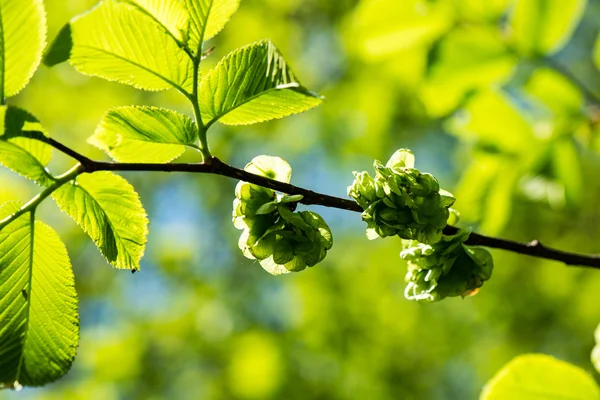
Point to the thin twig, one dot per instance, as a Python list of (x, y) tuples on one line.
[(217, 167)]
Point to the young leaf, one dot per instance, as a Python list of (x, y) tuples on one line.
[(544, 26), (144, 134), (170, 14), (540, 377), (207, 18), (119, 42), (23, 36), (253, 84), (39, 324), (27, 157), (110, 212)]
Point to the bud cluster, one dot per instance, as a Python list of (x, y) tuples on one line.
[(401, 200), (282, 240), (447, 268)]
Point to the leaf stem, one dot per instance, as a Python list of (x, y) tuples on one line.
[(202, 129), (32, 204)]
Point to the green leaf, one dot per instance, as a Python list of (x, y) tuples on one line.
[(22, 40), (540, 377), (170, 14), (27, 157), (207, 18), (468, 58), (39, 324), (402, 158), (478, 11), (106, 42), (489, 129), (544, 26), (447, 198), (110, 212), (556, 92), (283, 252), (253, 84), (270, 167), (381, 28), (272, 267), (144, 134), (567, 168)]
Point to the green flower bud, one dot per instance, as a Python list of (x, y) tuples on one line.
[(401, 200), (447, 268), (282, 240)]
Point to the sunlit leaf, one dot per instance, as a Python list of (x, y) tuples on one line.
[(544, 26), (476, 10), (472, 190), (144, 134), (23, 37), (39, 324), (270, 167), (107, 42), (468, 58), (555, 91), (499, 200), (253, 84), (401, 158), (567, 168), (207, 18), (380, 28), (110, 212), (540, 377), (28, 157), (493, 120), (170, 14)]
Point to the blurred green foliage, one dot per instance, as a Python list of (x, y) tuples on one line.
[(472, 87)]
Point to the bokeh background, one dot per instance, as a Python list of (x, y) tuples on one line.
[(471, 86)]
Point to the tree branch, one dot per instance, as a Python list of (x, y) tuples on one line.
[(217, 167)]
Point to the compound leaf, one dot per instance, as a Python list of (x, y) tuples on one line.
[(24, 155), (109, 210), (253, 84), (120, 42), (144, 134), (39, 324), (22, 38), (540, 377), (207, 18)]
